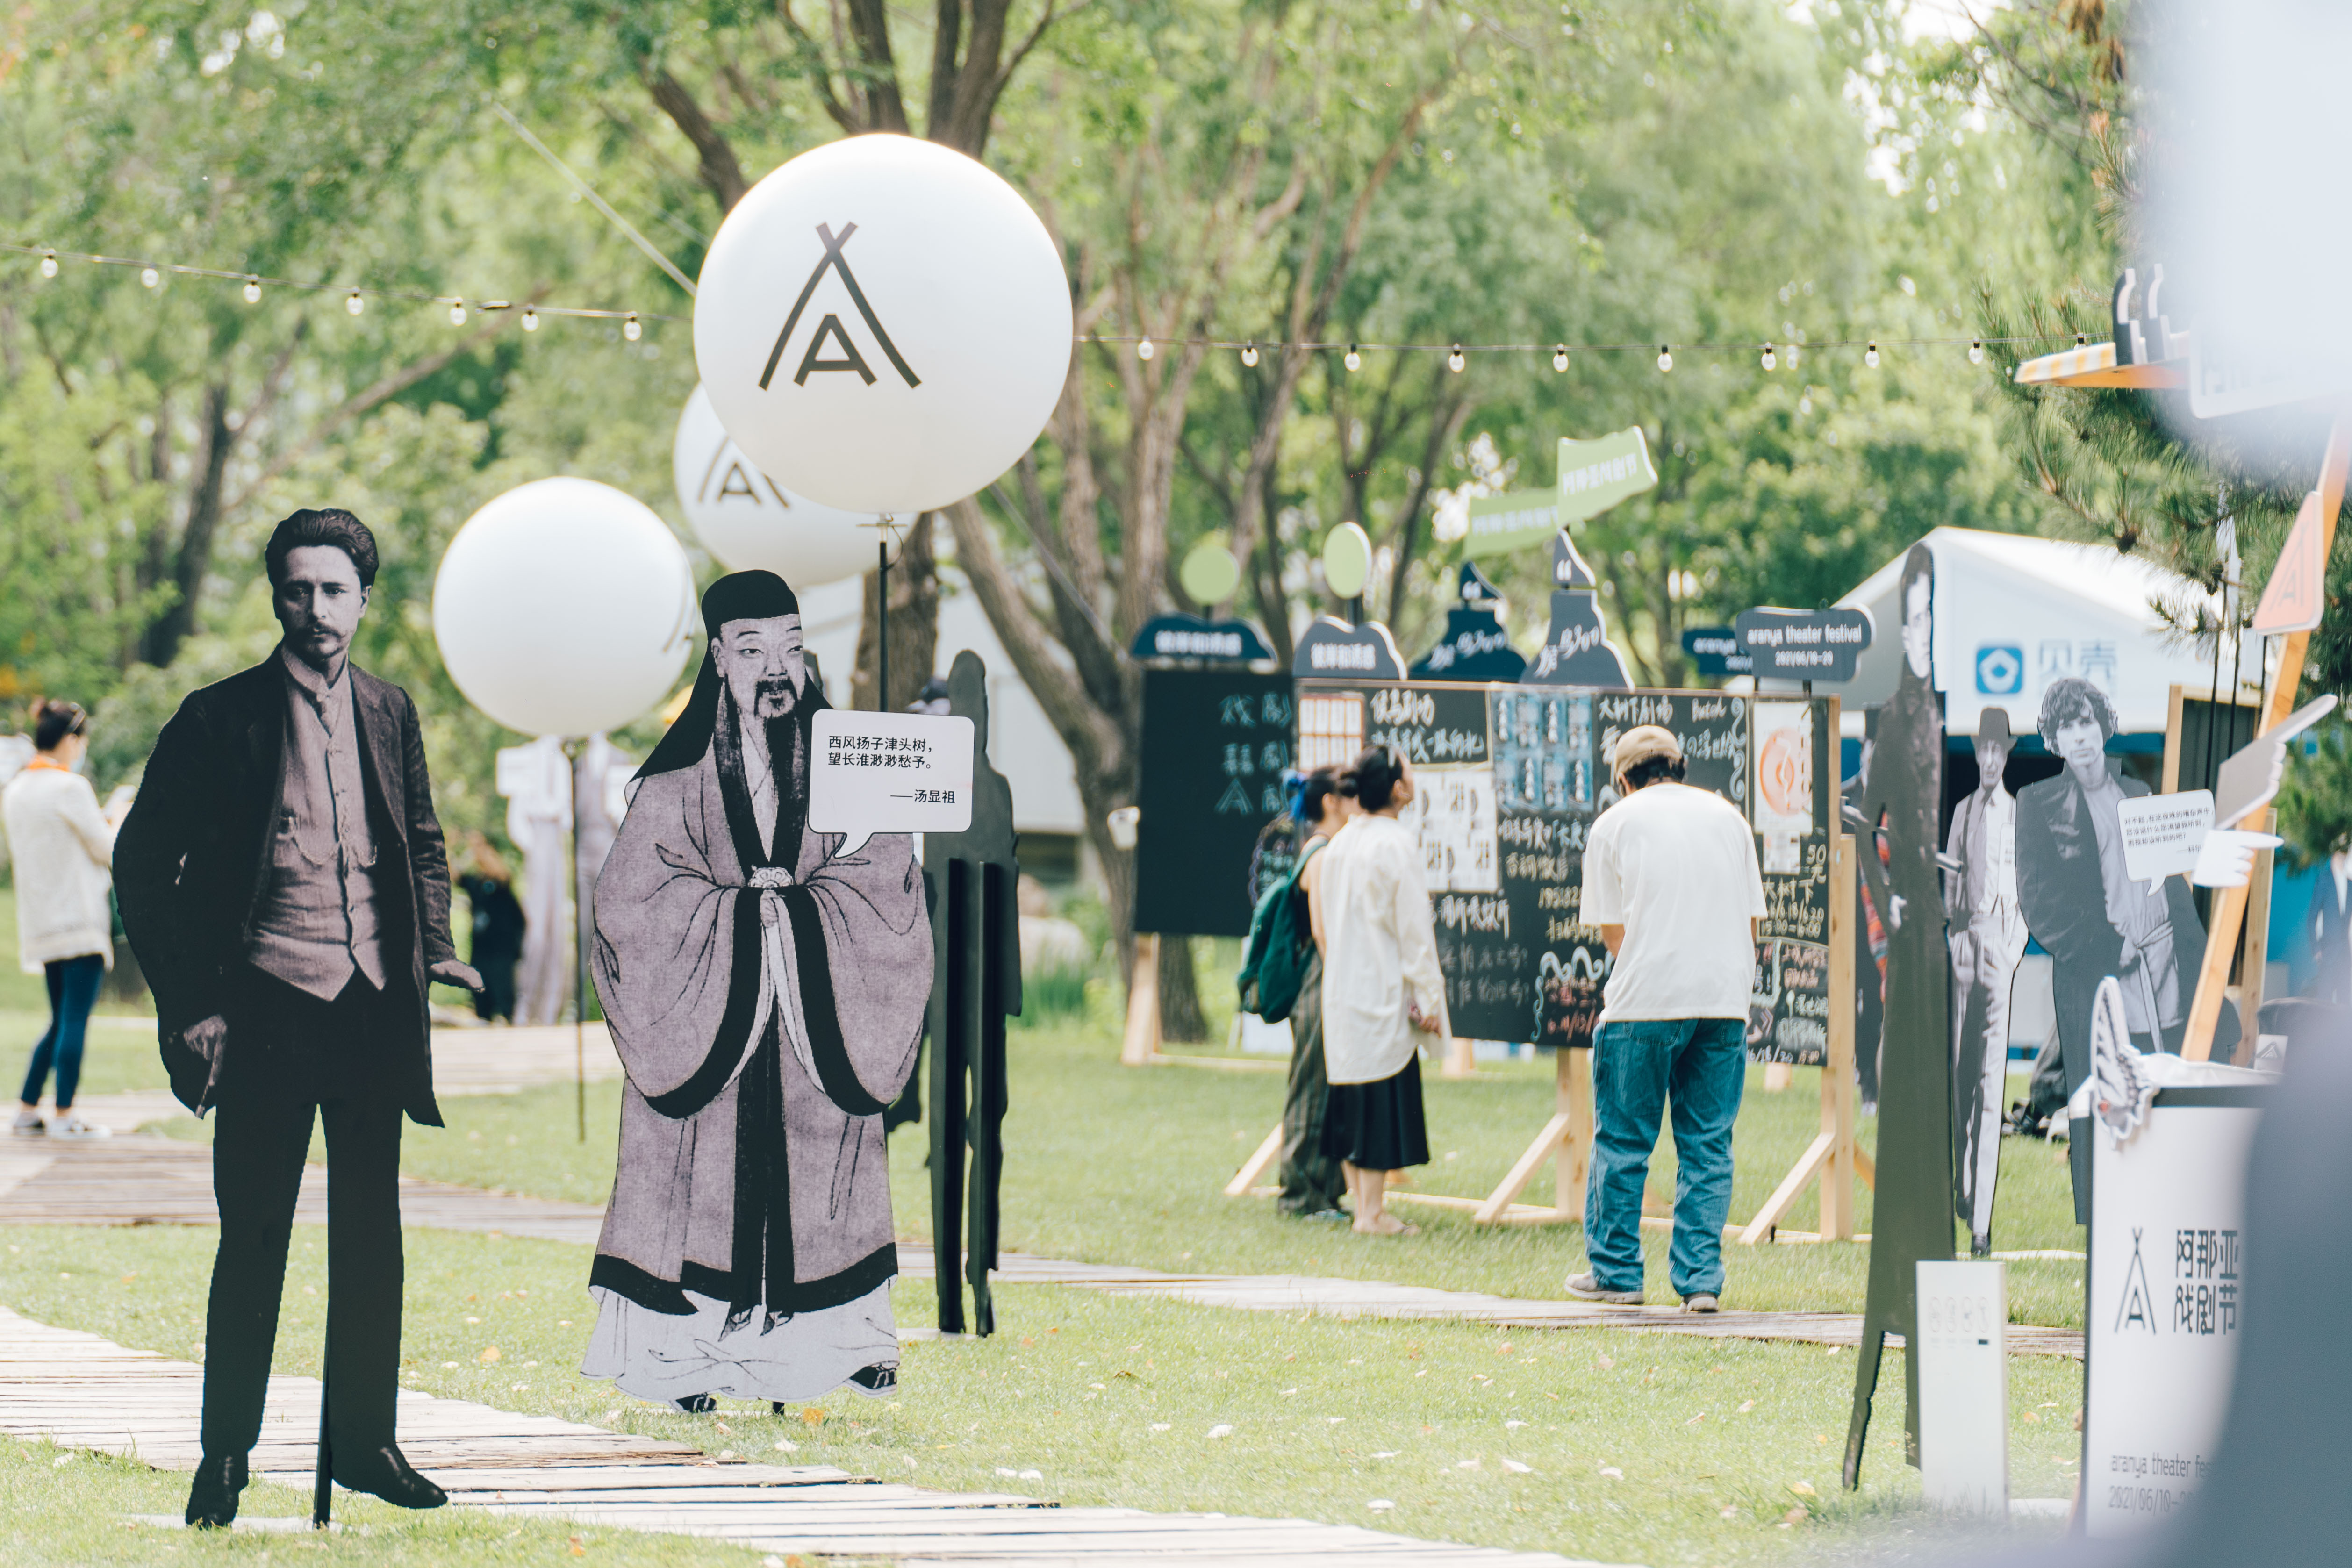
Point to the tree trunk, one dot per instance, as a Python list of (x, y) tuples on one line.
[(194, 559), (914, 623), (1179, 993)]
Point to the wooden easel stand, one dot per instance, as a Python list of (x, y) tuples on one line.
[(2230, 904)]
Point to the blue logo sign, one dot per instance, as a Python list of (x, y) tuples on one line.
[(2001, 669)]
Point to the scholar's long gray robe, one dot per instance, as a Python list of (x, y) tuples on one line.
[(766, 1008)]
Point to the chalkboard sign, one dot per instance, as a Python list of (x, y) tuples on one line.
[(1787, 1014), (1215, 743), (1509, 779)]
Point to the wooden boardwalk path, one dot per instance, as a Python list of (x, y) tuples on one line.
[(81, 1391)]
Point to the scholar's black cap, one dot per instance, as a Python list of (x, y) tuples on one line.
[(747, 596)]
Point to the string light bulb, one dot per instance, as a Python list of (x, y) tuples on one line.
[(1455, 361), (1976, 352), (252, 290), (355, 303), (1144, 350), (48, 264), (1870, 356), (1772, 360), (1665, 358), (530, 319), (150, 276), (1249, 354), (2082, 340), (457, 312), (631, 328), (1559, 358), (1353, 361)]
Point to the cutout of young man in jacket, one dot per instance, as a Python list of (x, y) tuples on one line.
[(284, 883)]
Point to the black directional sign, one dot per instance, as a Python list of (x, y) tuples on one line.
[(1715, 651)]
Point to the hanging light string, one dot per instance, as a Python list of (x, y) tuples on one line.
[(1771, 352), (355, 296)]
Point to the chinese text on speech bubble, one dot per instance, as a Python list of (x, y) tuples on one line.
[(889, 773), (2162, 834)]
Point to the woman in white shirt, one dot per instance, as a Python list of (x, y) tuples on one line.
[(1383, 996), (63, 846)]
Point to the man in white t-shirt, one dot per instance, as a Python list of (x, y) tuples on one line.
[(1670, 878)]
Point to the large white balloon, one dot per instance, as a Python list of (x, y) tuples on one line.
[(750, 522), (883, 325), (564, 607)]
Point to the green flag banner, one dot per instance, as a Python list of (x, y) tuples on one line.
[(1594, 475), (1501, 524)]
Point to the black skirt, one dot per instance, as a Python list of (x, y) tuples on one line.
[(1378, 1126)]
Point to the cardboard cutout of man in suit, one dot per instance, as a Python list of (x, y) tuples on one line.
[(284, 883), (1987, 940), (2081, 905), (1912, 1219)]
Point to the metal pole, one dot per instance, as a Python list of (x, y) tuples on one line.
[(882, 621), (579, 964), (322, 1487)]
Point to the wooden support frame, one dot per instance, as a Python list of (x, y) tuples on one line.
[(1833, 1158), (2230, 904), (1142, 1041)]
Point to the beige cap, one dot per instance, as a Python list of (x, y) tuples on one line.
[(1641, 743)]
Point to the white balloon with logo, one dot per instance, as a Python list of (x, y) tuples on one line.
[(883, 325), (749, 522), (564, 607)]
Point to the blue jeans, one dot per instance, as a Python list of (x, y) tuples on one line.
[(73, 991), (1699, 1066)]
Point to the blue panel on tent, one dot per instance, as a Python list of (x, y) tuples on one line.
[(2291, 895)]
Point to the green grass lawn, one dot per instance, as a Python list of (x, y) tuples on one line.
[(1095, 1400), (1106, 1164)]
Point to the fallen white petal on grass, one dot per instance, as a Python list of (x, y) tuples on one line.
[(786, 1446), (1220, 1430), (1380, 1505), (1803, 1489), (1008, 1475), (1468, 1465), (1386, 1454), (1746, 1406), (1516, 1467), (1509, 1426), (1033, 1475), (1612, 1472), (1160, 1425)]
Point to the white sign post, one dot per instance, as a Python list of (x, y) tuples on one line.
[(2168, 1218), (889, 773), (1964, 1386)]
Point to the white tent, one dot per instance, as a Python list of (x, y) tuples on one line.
[(2015, 613)]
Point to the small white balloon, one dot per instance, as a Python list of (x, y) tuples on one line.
[(883, 325), (752, 523), (564, 607)]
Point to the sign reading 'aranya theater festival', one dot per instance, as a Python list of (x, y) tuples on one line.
[(1804, 644)]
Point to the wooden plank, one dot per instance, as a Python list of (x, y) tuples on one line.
[(1793, 1185), (1246, 1179), (1142, 1040)]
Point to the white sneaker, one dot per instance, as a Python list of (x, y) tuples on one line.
[(71, 1125), (28, 1123)]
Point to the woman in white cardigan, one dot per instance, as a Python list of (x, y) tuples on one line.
[(63, 847), (1383, 994)]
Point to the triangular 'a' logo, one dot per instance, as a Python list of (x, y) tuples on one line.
[(2297, 590), (2136, 1306), (829, 329)]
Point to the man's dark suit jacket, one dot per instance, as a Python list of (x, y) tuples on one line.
[(194, 856), (2064, 894)]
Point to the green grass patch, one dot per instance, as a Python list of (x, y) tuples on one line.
[(1112, 1401), (1114, 1165)]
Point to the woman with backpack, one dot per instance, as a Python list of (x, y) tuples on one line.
[(1383, 994), (1282, 978)]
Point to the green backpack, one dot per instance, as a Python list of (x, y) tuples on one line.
[(1273, 962)]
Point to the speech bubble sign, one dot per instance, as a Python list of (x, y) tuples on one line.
[(889, 773), (2162, 834)]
